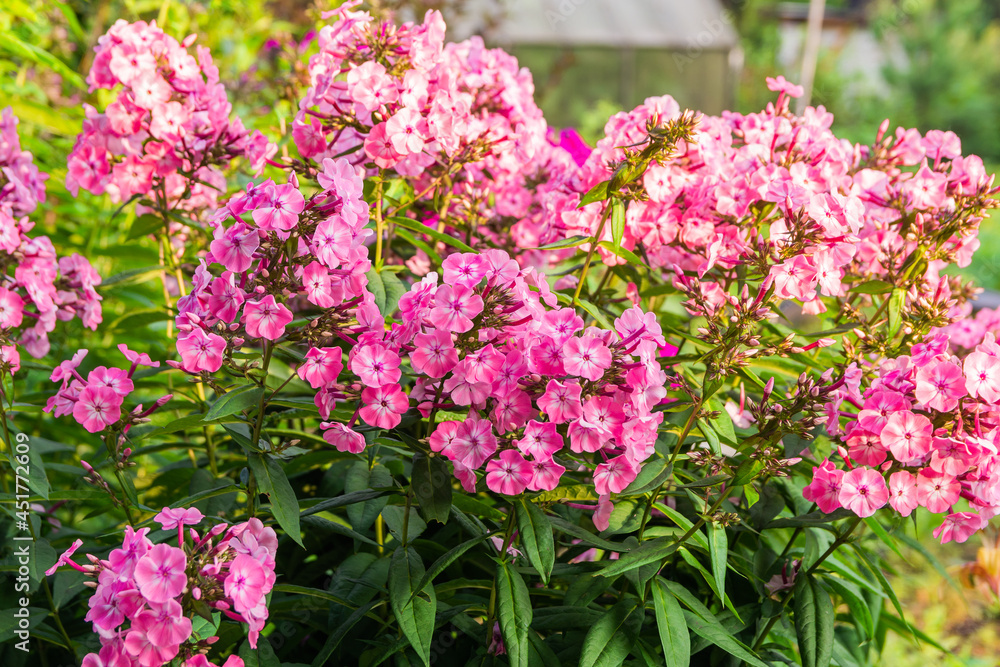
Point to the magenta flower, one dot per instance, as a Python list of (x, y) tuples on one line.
[(160, 574), (201, 351), (11, 309), (586, 357), (165, 625), (474, 442), (225, 297), (940, 386), (434, 355), (614, 475), (97, 407), (863, 491), (376, 365), (65, 558), (561, 402), (509, 473), (266, 318), (982, 376), (406, 130), (144, 651), (344, 439), (137, 358), (384, 406), (465, 269), (937, 492), (454, 308), (903, 492), (322, 366), (959, 527), (234, 247), (907, 436), (134, 546), (245, 582), (171, 518), (824, 489), (545, 475), (281, 208), (540, 441)]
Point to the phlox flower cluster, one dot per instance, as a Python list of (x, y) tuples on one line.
[(169, 128), (782, 194), (274, 251), (43, 288), (96, 401), (534, 385), (146, 595), (926, 432)]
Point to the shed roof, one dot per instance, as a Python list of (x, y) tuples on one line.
[(657, 24)]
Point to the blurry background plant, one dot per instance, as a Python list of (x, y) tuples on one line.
[(947, 80)]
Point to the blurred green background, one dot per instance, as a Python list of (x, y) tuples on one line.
[(922, 63)]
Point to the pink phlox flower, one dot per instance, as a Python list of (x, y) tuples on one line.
[(780, 85), (281, 209), (483, 364), (454, 308), (115, 379), (877, 408), (375, 364), (134, 546), (465, 269), (540, 440), (863, 491), (545, 475), (940, 386), (614, 475), (907, 435), (266, 318), (824, 489), (509, 473), (903, 492), (245, 583), (137, 358), (65, 558), (561, 402), (474, 443), (937, 491), (160, 574), (226, 297), (97, 407), (586, 357), (201, 351), (171, 518), (959, 527), (384, 406), (322, 366), (343, 438), (165, 625), (435, 354)]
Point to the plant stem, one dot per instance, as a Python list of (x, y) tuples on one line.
[(837, 543), (590, 253)]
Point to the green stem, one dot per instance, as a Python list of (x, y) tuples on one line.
[(507, 537), (590, 253), (837, 543)]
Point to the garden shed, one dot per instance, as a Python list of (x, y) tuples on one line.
[(588, 55)]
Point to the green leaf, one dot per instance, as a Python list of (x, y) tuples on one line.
[(650, 551), (416, 226), (609, 641), (438, 566), (431, 484), (21, 49), (872, 287), (814, 617), (703, 623), (333, 641), (855, 600), (564, 526), (414, 613), (398, 516), (571, 242), (654, 473), (535, 533), (617, 222), (597, 193), (623, 253), (237, 400), (718, 549), (513, 613), (896, 303), (130, 277), (386, 287), (673, 628), (887, 540), (271, 480), (144, 225), (360, 478), (723, 424), (262, 656)]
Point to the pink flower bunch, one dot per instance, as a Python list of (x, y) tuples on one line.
[(782, 193), (22, 186), (146, 594), (281, 252), (533, 385), (44, 287), (169, 128), (412, 101), (96, 402), (926, 432)]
